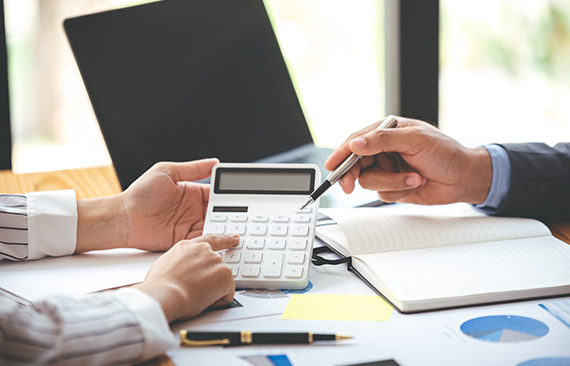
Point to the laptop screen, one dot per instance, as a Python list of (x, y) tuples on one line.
[(179, 80)]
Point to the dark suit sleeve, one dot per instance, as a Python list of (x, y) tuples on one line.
[(540, 182)]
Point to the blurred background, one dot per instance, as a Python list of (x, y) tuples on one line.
[(504, 73)]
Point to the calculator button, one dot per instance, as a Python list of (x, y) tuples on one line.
[(253, 257), (305, 210), (294, 271), (298, 244), (239, 246), (218, 218), (279, 230), (250, 271), (302, 219), (260, 218), (275, 243), (239, 218), (216, 229), (237, 228), (280, 218), (235, 270), (272, 266), (232, 257), (296, 258), (257, 230), (300, 230), (255, 243)]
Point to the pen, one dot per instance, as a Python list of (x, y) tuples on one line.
[(19, 299), (333, 177), (247, 337)]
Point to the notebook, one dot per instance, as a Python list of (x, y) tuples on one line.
[(179, 80), (423, 259)]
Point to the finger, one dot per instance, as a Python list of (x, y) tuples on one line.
[(192, 170), (218, 242), (348, 182), (343, 151), (402, 139), (386, 162), (226, 299), (376, 179), (337, 157), (400, 196)]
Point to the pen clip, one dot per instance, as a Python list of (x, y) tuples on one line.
[(197, 343)]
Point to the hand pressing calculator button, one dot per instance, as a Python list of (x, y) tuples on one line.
[(260, 202)]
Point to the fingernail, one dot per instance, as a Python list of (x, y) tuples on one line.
[(359, 143), (412, 181), (234, 235)]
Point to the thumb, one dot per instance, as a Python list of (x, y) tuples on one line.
[(192, 170), (401, 140)]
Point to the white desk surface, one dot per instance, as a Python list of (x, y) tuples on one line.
[(432, 338)]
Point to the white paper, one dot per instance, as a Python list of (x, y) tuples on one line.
[(77, 274)]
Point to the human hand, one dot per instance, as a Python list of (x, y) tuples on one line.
[(415, 163), (191, 276), (163, 206)]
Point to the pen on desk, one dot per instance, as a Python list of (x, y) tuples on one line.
[(334, 177), (242, 338), (19, 299)]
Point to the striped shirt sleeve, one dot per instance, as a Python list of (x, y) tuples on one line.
[(108, 328), (13, 226), (37, 224)]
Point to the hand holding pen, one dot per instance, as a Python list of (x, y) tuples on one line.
[(345, 166), (415, 163)]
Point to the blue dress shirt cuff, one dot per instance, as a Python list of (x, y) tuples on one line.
[(501, 179)]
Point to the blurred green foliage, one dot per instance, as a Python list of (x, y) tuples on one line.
[(517, 41)]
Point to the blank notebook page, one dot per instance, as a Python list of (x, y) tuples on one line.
[(465, 270), (373, 230)]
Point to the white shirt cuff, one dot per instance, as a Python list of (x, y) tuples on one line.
[(151, 319), (52, 223)]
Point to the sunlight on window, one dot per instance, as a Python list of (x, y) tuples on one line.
[(504, 70), (53, 126), (335, 53), (334, 50)]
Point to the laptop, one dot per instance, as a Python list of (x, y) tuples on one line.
[(180, 80)]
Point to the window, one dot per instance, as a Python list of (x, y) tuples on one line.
[(334, 50), (504, 70)]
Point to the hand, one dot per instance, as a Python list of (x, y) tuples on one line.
[(163, 207), (191, 276), (415, 163), (159, 209)]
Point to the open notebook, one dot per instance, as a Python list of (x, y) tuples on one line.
[(422, 259)]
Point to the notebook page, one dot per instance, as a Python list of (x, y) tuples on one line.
[(474, 269), (373, 230)]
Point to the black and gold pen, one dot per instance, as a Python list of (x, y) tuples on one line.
[(243, 338)]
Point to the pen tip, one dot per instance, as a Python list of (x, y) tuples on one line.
[(340, 337), (306, 203)]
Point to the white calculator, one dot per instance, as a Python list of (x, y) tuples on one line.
[(260, 202)]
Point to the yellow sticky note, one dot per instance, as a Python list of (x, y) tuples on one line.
[(337, 307)]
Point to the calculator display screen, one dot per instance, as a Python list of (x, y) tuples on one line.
[(264, 181)]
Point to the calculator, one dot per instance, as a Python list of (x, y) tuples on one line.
[(260, 202)]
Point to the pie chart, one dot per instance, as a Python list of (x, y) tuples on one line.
[(504, 328), (549, 361)]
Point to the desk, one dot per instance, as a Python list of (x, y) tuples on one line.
[(102, 181)]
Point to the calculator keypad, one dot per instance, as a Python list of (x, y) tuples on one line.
[(272, 247)]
